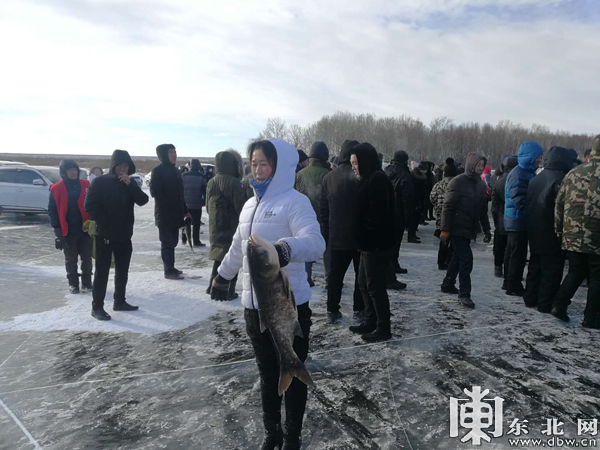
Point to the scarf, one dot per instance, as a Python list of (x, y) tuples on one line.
[(260, 187)]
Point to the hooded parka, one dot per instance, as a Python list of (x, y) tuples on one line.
[(194, 186), (281, 213), (376, 203), (517, 182), (465, 204), (541, 197), (225, 199), (110, 201), (166, 186)]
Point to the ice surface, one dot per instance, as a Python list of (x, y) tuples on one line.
[(179, 373)]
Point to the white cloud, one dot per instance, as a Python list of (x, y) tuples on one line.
[(89, 77)]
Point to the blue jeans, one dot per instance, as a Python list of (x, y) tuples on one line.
[(461, 264)]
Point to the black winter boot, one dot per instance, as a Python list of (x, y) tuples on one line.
[(100, 314), (382, 333), (363, 327), (291, 444), (273, 435), (498, 272), (124, 306), (449, 289), (591, 321)]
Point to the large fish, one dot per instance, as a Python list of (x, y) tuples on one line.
[(277, 309)]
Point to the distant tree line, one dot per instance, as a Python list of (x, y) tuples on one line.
[(434, 142)]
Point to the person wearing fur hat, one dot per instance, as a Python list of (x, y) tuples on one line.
[(110, 204), (170, 211), (67, 216)]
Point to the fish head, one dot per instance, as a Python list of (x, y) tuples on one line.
[(262, 259)]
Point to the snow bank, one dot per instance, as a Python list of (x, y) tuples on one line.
[(165, 305)]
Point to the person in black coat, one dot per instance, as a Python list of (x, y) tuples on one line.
[(170, 212), (546, 260), (194, 193), (109, 203), (405, 198), (463, 215), (376, 238), (339, 227), (498, 200), (419, 181)]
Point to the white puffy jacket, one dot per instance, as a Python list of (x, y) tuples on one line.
[(282, 213)]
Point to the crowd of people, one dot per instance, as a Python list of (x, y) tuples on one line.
[(346, 209)]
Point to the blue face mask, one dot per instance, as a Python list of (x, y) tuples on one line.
[(260, 187)]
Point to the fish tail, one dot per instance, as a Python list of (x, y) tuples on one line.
[(287, 375)]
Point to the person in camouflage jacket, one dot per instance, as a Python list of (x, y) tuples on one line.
[(577, 223), (438, 193)]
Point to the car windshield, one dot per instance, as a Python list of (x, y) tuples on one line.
[(52, 174)]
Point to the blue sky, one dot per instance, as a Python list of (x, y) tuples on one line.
[(91, 76)]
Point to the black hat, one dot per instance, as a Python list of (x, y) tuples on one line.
[(320, 151), (302, 156), (400, 156), (65, 165)]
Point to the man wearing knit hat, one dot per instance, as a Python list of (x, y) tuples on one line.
[(577, 223)]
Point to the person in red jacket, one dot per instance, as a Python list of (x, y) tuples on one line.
[(67, 217)]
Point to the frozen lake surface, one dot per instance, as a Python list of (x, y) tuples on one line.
[(179, 373)]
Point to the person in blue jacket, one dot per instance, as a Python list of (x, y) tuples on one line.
[(515, 215)]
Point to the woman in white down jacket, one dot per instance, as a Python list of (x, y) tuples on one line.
[(281, 215)]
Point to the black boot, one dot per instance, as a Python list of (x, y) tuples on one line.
[(591, 321), (382, 333), (560, 313), (100, 314), (363, 327), (273, 435), (449, 289), (498, 273), (124, 306)]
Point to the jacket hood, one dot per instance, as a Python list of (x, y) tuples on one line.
[(346, 151), (528, 152), (368, 159), (120, 157), (400, 156), (559, 158), (320, 151), (162, 151), (195, 164), (226, 163), (471, 162), (239, 162), (65, 165), (510, 163), (285, 174)]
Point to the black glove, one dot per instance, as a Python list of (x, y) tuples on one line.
[(488, 237), (61, 243), (284, 252), (220, 288)]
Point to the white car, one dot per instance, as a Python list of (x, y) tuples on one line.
[(12, 163), (26, 189)]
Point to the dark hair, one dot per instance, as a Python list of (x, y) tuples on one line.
[(587, 153), (268, 149)]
